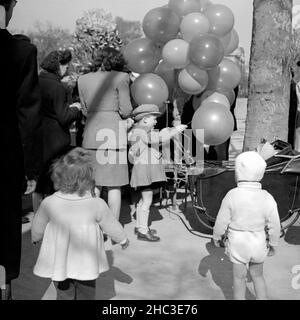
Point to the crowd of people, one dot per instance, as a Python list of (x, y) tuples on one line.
[(119, 147)]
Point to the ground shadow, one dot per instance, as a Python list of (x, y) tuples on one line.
[(105, 284), (220, 268), (196, 220), (292, 235), (29, 286)]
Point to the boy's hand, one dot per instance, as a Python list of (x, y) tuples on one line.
[(271, 252), (181, 127), (124, 245), (216, 243), (129, 123)]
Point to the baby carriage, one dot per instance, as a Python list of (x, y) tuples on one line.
[(208, 188)]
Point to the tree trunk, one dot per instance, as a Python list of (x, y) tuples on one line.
[(269, 79)]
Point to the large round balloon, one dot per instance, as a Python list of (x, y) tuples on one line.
[(149, 88), (206, 51), (204, 4), (214, 97), (221, 19), (176, 53), (188, 84), (227, 75), (225, 40), (216, 120), (233, 43), (198, 74), (141, 55), (161, 24), (167, 73), (229, 94), (184, 7), (193, 25)]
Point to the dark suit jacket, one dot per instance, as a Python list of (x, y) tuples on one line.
[(20, 153), (57, 116)]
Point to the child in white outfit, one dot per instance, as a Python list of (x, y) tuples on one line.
[(71, 223), (246, 213)]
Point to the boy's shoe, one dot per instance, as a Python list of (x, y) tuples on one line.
[(153, 231), (147, 237)]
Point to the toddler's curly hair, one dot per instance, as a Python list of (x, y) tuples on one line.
[(73, 173)]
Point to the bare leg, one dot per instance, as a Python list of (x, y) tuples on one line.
[(256, 271), (36, 201), (239, 281), (114, 201)]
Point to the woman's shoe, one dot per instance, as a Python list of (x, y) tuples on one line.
[(147, 237), (153, 231)]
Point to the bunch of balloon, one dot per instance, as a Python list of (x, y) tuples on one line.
[(185, 45)]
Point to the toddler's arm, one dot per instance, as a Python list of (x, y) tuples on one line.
[(273, 225), (39, 223), (110, 225), (223, 219)]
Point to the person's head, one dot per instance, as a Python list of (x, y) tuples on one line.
[(9, 8), (249, 167), (109, 59), (73, 173), (22, 37), (57, 62), (146, 115)]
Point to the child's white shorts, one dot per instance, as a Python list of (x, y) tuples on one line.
[(246, 246)]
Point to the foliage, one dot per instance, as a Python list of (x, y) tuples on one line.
[(94, 30), (48, 38)]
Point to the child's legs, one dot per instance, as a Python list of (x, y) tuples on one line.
[(65, 289), (239, 281), (144, 209), (85, 290), (114, 200), (256, 271)]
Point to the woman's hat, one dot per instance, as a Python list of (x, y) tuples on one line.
[(250, 166), (144, 110)]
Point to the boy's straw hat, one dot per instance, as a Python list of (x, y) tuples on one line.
[(144, 110)]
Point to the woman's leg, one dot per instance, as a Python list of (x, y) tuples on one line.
[(256, 271), (239, 281), (114, 200), (36, 201)]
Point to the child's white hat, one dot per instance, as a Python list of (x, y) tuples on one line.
[(250, 166)]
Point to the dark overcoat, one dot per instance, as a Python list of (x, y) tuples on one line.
[(57, 117), (20, 150)]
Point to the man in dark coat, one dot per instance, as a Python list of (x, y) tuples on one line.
[(19, 120)]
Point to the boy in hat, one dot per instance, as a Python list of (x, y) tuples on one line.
[(148, 169)]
